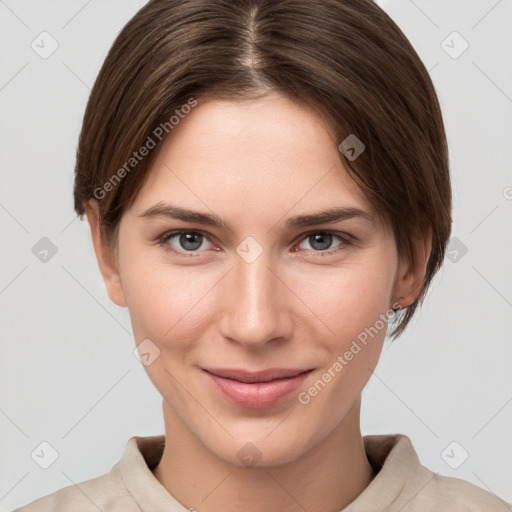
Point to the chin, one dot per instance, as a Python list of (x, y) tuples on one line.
[(262, 450)]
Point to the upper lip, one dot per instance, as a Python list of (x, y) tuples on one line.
[(252, 377)]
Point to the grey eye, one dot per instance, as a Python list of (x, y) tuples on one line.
[(321, 241)]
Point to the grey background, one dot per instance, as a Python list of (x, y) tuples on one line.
[(67, 372)]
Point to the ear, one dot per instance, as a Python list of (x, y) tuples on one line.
[(411, 275), (106, 261)]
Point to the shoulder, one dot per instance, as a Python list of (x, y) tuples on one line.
[(106, 493), (404, 484), (456, 495)]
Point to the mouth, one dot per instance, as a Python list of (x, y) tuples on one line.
[(256, 390)]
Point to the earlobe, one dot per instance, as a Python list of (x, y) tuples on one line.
[(106, 263), (411, 275)]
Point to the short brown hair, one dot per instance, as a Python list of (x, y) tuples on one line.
[(345, 58)]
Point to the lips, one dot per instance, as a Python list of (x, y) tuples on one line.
[(256, 390), (254, 377)]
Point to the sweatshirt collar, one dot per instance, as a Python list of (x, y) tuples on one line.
[(399, 474)]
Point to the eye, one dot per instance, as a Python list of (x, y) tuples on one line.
[(189, 243), (321, 241), (186, 241)]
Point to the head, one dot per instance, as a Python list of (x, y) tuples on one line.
[(257, 115)]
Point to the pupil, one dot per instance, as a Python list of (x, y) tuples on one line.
[(187, 239), (324, 240)]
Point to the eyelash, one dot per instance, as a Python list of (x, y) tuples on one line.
[(344, 238)]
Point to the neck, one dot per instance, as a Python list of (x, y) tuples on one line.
[(327, 477)]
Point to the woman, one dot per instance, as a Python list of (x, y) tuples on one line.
[(267, 186)]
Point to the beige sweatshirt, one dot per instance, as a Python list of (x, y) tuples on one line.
[(401, 484)]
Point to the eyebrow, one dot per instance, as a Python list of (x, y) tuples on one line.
[(324, 217)]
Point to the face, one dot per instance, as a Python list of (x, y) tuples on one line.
[(255, 282)]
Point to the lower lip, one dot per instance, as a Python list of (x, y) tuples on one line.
[(258, 395)]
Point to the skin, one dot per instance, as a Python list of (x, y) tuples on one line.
[(256, 163)]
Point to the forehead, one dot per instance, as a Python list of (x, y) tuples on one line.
[(245, 157)]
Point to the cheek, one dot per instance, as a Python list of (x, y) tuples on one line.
[(166, 302), (355, 307), (348, 300)]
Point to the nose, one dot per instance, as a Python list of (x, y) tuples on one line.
[(254, 304)]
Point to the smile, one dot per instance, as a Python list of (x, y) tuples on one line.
[(256, 390)]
